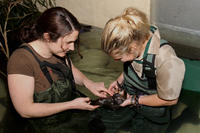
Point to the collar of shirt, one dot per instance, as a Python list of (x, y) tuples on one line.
[(153, 49), (155, 42)]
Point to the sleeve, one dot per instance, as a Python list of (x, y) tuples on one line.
[(170, 75), (19, 63)]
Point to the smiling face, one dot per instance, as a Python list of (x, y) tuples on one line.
[(64, 44)]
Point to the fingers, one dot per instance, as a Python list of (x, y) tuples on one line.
[(123, 104), (87, 99), (102, 94), (112, 86), (89, 106), (128, 96), (108, 92), (94, 107), (111, 90)]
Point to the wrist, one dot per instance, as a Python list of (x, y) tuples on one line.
[(133, 102), (137, 100)]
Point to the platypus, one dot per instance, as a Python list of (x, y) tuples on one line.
[(112, 102)]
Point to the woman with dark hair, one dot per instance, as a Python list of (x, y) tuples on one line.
[(41, 76)]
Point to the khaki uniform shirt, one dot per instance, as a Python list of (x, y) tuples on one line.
[(170, 69)]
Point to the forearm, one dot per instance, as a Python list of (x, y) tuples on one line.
[(97, 88), (154, 100), (43, 109), (21, 89), (79, 77)]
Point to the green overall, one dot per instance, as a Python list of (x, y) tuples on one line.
[(62, 90), (147, 119), (142, 119)]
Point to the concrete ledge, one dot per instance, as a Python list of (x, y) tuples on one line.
[(180, 35)]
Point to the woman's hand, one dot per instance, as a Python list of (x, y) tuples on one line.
[(114, 87), (127, 101), (98, 89), (83, 104)]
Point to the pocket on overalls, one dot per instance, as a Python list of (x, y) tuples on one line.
[(60, 91), (43, 96), (63, 90)]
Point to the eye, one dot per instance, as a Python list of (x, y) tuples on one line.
[(76, 42), (69, 42), (117, 59)]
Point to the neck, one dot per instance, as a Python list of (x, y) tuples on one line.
[(41, 48)]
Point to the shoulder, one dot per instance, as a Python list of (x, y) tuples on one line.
[(167, 55), (170, 73), (18, 55), (19, 62)]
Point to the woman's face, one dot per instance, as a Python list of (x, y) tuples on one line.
[(124, 57), (64, 44)]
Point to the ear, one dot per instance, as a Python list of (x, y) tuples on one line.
[(46, 37), (132, 48)]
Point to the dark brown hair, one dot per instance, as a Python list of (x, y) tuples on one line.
[(56, 21)]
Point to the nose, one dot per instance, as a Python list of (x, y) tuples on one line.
[(71, 47), (68, 47)]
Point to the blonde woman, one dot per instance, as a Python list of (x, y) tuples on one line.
[(152, 75)]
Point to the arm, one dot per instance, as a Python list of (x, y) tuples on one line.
[(170, 75), (96, 88), (21, 90), (150, 100), (154, 100)]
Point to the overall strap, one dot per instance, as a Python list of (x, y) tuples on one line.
[(148, 67), (42, 64), (149, 70), (149, 62), (163, 42), (70, 65), (68, 61)]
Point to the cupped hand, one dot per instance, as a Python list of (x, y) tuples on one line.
[(113, 88), (83, 104), (127, 101)]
